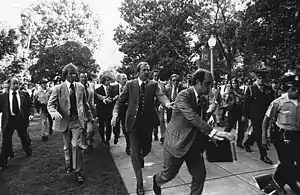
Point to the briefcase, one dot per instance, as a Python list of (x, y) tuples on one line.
[(221, 151)]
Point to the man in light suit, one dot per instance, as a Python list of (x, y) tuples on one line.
[(88, 132), (122, 80), (172, 92), (141, 116), (68, 104), (17, 111), (187, 134)]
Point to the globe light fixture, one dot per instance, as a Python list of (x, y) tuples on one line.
[(212, 43)]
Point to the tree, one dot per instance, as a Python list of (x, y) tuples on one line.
[(223, 18), (52, 61), (11, 63), (158, 32), (52, 23), (269, 34)]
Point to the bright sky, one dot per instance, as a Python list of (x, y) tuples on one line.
[(108, 55)]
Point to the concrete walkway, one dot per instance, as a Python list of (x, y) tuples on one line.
[(233, 178)]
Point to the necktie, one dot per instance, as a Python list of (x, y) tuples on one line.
[(174, 94), (73, 104), (142, 98), (15, 104), (86, 90), (200, 106)]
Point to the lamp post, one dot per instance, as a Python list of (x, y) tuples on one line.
[(212, 43)]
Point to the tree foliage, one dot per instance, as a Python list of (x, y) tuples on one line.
[(269, 33), (11, 63), (50, 64), (158, 32)]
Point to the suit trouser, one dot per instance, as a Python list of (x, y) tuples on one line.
[(234, 115), (105, 136), (117, 130), (71, 140), (14, 123), (195, 165), (45, 123), (140, 141), (288, 154), (162, 123), (256, 135)]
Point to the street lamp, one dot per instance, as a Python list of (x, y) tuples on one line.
[(212, 43)]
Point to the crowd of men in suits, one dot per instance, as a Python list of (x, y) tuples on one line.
[(77, 108)]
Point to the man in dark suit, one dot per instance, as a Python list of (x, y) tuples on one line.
[(172, 92), (104, 105), (141, 116), (187, 134), (69, 107), (17, 110), (257, 100)]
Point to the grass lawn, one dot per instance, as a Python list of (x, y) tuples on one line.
[(44, 172)]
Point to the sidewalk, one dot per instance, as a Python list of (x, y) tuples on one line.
[(233, 178)]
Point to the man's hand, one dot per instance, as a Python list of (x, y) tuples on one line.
[(107, 100), (56, 116), (114, 119), (116, 97), (30, 117), (170, 105), (244, 119), (221, 135)]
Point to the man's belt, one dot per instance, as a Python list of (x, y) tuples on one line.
[(289, 136)]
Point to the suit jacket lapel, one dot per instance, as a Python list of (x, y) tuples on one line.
[(194, 100), (21, 100), (136, 90), (6, 105), (65, 94)]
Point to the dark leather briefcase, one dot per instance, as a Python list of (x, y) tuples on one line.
[(221, 151)]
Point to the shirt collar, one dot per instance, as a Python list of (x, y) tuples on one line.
[(11, 91), (140, 81), (69, 84), (195, 92)]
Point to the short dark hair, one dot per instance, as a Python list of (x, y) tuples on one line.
[(138, 67), (66, 69), (199, 75), (174, 75), (104, 78)]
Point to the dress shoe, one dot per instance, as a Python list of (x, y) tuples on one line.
[(240, 146), (162, 140), (83, 146), (128, 150), (266, 159), (44, 138), (156, 188), (11, 156), (247, 148), (78, 177), (4, 164), (29, 153), (140, 190), (107, 145), (116, 140), (69, 170)]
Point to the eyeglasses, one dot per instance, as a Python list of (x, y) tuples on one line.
[(175, 80)]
